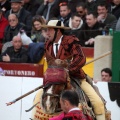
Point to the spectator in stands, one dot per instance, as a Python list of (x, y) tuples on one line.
[(16, 53), (115, 8), (91, 5), (75, 23), (31, 6), (105, 17), (69, 101), (5, 5), (106, 74), (72, 5), (65, 13), (117, 28), (81, 10), (101, 1), (24, 16), (46, 9), (3, 24), (90, 30), (37, 31), (13, 28)]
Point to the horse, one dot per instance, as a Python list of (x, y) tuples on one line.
[(55, 81)]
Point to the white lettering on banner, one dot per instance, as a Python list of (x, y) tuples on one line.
[(20, 72)]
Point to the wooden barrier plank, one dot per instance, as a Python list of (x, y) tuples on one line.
[(88, 51)]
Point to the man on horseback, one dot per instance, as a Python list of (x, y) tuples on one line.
[(65, 51)]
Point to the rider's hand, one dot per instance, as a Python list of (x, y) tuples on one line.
[(90, 41), (62, 63)]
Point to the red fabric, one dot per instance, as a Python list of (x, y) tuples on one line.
[(75, 115), (59, 117), (3, 24), (54, 75)]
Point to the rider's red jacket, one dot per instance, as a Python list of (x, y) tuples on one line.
[(69, 48)]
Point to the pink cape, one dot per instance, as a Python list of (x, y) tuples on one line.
[(59, 117)]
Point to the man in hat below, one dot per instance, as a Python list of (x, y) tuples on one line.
[(24, 16), (59, 49)]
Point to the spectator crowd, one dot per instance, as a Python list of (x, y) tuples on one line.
[(85, 18)]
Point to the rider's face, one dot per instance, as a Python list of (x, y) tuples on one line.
[(50, 33)]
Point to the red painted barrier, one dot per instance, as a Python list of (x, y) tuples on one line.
[(22, 69), (88, 51)]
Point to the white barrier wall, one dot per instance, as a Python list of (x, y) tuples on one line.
[(111, 105), (13, 87), (103, 44), (10, 89)]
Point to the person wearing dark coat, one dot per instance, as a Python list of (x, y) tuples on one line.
[(24, 16), (91, 5), (65, 13), (104, 17), (5, 5), (12, 29), (90, 30), (72, 3), (75, 24), (46, 9), (117, 27), (15, 53), (115, 8), (31, 6), (81, 9)]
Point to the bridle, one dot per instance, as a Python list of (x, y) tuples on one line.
[(53, 95), (57, 106)]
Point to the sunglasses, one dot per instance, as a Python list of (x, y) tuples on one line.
[(79, 11), (63, 3), (11, 20)]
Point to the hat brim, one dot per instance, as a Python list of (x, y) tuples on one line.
[(49, 26)]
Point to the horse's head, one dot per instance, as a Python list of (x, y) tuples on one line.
[(55, 81), (50, 98)]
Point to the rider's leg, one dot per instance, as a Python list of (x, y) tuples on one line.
[(95, 100)]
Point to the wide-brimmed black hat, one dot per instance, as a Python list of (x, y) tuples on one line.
[(16, 1)]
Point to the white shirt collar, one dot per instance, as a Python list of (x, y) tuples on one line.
[(76, 108)]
